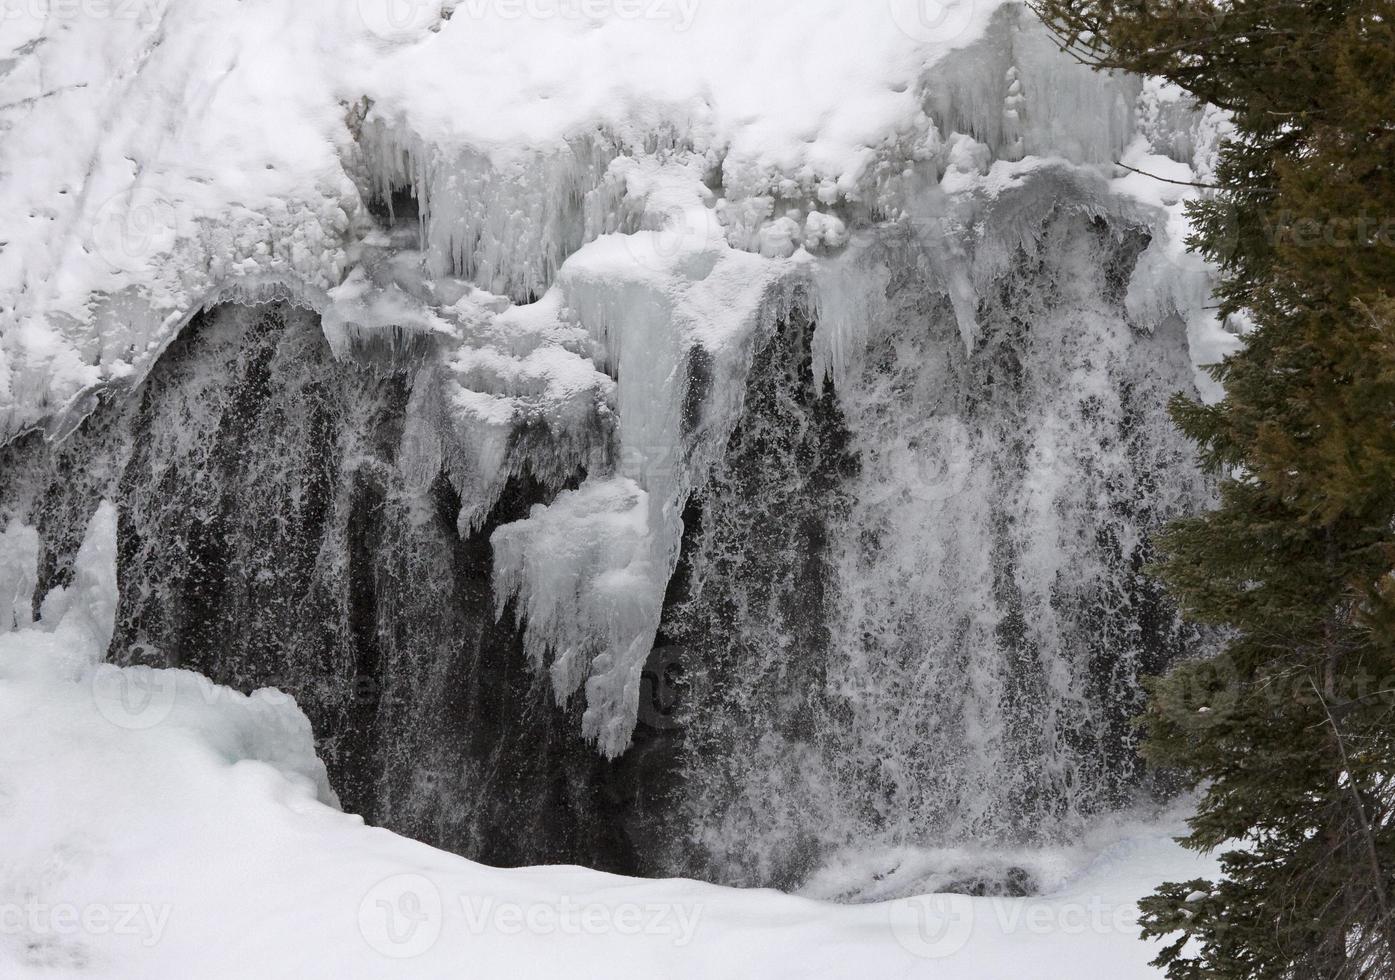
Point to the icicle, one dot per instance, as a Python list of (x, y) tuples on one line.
[(506, 230)]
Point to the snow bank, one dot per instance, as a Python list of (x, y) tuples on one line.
[(154, 824), (58, 665)]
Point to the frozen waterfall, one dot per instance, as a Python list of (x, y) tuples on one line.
[(653, 489)]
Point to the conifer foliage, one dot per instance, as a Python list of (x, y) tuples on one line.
[(1290, 732)]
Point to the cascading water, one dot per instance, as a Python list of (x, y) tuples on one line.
[(819, 506), (283, 524), (915, 610)]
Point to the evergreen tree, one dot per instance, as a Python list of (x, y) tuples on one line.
[(1289, 732)]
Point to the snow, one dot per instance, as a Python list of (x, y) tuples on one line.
[(154, 824), (1171, 160), (161, 153)]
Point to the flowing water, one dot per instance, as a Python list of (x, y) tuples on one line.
[(910, 607)]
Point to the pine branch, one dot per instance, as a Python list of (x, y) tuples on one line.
[(1378, 876), (1168, 180)]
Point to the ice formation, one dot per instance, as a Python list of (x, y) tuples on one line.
[(586, 270), (62, 655)]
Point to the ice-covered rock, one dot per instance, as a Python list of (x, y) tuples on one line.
[(586, 262)]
